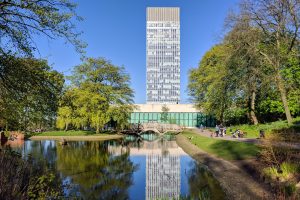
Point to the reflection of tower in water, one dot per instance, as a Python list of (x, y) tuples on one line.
[(162, 176)]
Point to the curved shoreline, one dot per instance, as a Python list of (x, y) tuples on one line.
[(78, 138), (236, 183)]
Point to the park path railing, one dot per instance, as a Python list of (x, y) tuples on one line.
[(160, 127)]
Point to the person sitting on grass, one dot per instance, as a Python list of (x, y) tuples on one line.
[(241, 134), (236, 133)]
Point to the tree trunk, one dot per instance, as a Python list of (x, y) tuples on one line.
[(67, 126), (222, 113), (282, 91), (97, 129), (252, 108)]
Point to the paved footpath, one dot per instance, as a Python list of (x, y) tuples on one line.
[(208, 133), (236, 183)]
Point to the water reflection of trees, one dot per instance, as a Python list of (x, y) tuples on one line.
[(94, 172), (203, 185)]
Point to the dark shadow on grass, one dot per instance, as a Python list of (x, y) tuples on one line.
[(234, 150), (102, 132), (89, 132)]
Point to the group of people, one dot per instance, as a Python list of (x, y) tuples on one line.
[(220, 130)]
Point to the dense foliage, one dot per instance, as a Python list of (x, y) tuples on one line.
[(253, 75), (20, 21), (99, 92), (29, 88), (29, 93)]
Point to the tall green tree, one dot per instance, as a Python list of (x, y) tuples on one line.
[(100, 92), (246, 67), (279, 22), (29, 92), (209, 84)]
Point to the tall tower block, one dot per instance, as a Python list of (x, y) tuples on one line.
[(163, 55)]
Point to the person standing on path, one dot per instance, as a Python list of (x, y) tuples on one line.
[(217, 130)]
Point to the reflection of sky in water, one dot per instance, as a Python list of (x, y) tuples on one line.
[(185, 166), (137, 190)]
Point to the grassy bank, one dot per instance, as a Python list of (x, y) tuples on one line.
[(229, 150), (269, 128)]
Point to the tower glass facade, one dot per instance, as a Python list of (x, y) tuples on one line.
[(163, 55)]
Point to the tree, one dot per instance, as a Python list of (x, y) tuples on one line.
[(246, 66), (64, 117), (99, 92), (279, 21), (29, 92), (21, 20), (209, 84), (254, 71), (165, 113), (120, 114)]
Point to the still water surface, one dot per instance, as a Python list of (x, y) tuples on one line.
[(147, 167)]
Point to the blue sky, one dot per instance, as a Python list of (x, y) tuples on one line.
[(116, 30)]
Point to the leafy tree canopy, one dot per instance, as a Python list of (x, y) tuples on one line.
[(20, 21), (99, 92), (29, 92)]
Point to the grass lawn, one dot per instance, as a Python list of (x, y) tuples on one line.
[(71, 133), (229, 150), (269, 128)]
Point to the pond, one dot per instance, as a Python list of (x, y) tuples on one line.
[(146, 167)]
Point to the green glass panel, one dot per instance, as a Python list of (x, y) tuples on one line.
[(181, 116), (194, 123), (194, 115), (190, 123), (186, 116), (186, 122), (150, 116), (159, 117)]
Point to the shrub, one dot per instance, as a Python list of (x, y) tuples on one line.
[(288, 169), (271, 173), (20, 179)]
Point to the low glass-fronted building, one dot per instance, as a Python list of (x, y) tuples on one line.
[(184, 115)]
